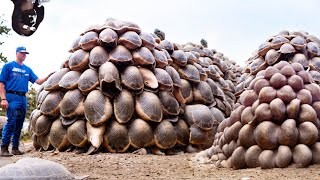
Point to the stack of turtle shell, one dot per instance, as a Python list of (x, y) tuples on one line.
[(124, 89), (275, 124), (300, 47)]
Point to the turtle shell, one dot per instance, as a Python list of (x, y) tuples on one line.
[(278, 41), (179, 57), (88, 81), (72, 104), (70, 80), (140, 134), (272, 56), (98, 55), (202, 93), (264, 48), (77, 134), (206, 61), (123, 105), (41, 98), (131, 40), (314, 63), (164, 79), (121, 26), (160, 58), (149, 79), (156, 38), (95, 134), (97, 108), (182, 131), (169, 103), (148, 40), (149, 107), (301, 59), (186, 91), (109, 79), (132, 79), (167, 45), (43, 141), (313, 49), (89, 40), (298, 42), (51, 104), (43, 125), (120, 55), (52, 82), (189, 72), (58, 136), (108, 38), (75, 44), (191, 58), (174, 76), (287, 48), (200, 115), (170, 61), (95, 28), (143, 56), (116, 138), (79, 60), (165, 136)]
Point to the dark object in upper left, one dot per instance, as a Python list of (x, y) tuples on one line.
[(26, 16)]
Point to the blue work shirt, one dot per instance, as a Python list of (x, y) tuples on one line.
[(15, 77)]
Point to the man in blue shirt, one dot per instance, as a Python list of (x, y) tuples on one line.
[(14, 79)]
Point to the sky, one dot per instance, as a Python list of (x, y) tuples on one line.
[(235, 28)]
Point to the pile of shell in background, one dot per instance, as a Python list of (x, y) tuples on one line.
[(300, 47), (276, 120), (125, 89)]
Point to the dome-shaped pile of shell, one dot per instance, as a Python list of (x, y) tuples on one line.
[(124, 89), (275, 124), (300, 47)]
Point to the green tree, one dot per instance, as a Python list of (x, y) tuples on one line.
[(4, 30)]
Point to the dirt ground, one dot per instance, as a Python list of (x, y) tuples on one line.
[(131, 166)]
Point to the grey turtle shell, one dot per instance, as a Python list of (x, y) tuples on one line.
[(34, 168)]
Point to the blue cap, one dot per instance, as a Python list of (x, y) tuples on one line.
[(22, 50)]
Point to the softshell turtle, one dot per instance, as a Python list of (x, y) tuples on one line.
[(79, 60), (108, 38), (70, 80), (98, 55), (173, 73), (149, 107), (130, 39), (75, 44), (202, 93), (89, 40), (97, 108), (167, 45), (116, 137), (140, 134), (182, 131), (53, 81), (34, 168), (123, 105), (88, 81), (298, 42)]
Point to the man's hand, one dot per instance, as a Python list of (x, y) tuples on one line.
[(4, 104)]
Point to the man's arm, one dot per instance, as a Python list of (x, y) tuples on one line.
[(42, 80), (4, 103)]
